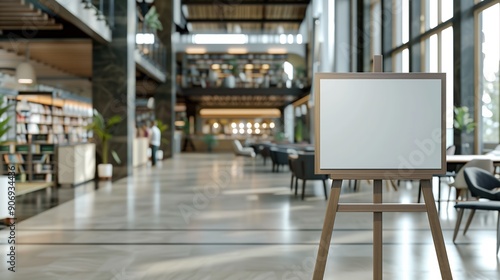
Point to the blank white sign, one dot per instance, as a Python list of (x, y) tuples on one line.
[(380, 124)]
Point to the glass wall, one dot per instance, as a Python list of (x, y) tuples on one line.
[(436, 41), (488, 73), (425, 36)]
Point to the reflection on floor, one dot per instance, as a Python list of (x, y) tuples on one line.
[(215, 216)]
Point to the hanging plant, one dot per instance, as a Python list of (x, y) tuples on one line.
[(152, 19)]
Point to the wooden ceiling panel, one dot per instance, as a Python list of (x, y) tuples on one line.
[(242, 11), (73, 57), (287, 27), (20, 15), (245, 27), (209, 26), (242, 101), (253, 16), (205, 11), (285, 11)]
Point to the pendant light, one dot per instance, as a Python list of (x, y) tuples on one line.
[(25, 73)]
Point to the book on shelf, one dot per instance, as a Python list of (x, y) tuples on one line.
[(37, 168), (22, 148), (46, 148), (13, 158), (7, 148), (21, 139)]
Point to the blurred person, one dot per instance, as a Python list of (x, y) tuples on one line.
[(155, 140)]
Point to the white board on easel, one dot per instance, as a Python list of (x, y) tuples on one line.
[(380, 125)]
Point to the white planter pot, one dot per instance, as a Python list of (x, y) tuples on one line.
[(159, 155), (105, 171), (4, 197)]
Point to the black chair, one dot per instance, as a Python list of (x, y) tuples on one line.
[(481, 184), (265, 152), (303, 168), (279, 158)]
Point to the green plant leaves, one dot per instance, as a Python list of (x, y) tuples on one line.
[(463, 120), (4, 125), (102, 128), (152, 19), (116, 157)]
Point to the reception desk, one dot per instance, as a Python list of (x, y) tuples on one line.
[(140, 151), (223, 143), (76, 163)]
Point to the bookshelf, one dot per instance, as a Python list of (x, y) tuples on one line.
[(43, 123), (40, 118), (32, 162)]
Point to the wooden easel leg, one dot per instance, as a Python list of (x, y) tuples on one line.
[(326, 234), (437, 234), (377, 232)]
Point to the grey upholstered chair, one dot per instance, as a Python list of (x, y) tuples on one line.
[(481, 184), (239, 150)]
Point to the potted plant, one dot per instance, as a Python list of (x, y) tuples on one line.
[(103, 129), (465, 124), (210, 141)]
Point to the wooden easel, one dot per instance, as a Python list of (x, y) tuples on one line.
[(377, 208)]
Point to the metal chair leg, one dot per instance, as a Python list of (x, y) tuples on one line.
[(457, 225), (324, 188), (469, 220), (498, 232), (303, 188)]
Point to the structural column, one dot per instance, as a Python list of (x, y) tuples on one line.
[(387, 19), (415, 27), (113, 84), (165, 93), (463, 56)]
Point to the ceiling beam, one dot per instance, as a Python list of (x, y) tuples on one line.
[(245, 20), (256, 2)]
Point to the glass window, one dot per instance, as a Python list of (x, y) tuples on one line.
[(397, 60), (401, 61), (405, 20), (446, 10), (431, 54), (438, 57), (447, 67), (489, 68), (376, 28), (406, 61), (401, 22), (431, 14)]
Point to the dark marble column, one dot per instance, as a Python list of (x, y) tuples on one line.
[(113, 84), (415, 27), (463, 56), (165, 93), (387, 34)]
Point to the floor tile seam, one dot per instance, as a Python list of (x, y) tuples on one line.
[(430, 243), (239, 230)]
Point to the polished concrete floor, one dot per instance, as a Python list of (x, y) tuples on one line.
[(218, 217)]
